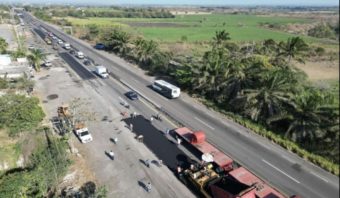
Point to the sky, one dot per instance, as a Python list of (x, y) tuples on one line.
[(190, 2)]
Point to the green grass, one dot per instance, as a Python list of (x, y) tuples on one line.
[(9, 154), (201, 27)]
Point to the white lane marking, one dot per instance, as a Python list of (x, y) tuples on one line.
[(205, 123), (280, 171), (320, 177)]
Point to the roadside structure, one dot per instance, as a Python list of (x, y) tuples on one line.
[(14, 69)]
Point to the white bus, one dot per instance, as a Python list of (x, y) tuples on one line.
[(166, 89)]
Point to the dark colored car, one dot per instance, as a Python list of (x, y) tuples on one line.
[(87, 62), (99, 46), (132, 95), (72, 52)]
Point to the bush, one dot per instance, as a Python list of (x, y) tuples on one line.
[(19, 113), (48, 165), (322, 31)]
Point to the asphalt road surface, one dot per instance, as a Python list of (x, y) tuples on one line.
[(160, 145), (282, 169), (76, 66)]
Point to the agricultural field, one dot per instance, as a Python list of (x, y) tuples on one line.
[(187, 34), (193, 28)]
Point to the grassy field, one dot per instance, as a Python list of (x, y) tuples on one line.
[(198, 27)]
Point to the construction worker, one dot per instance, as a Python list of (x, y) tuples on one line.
[(148, 187), (167, 131), (179, 141), (140, 138), (112, 155), (115, 140), (151, 119), (134, 114), (147, 163)]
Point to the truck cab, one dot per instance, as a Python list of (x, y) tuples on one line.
[(101, 71)]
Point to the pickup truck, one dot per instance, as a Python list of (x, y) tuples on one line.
[(83, 135)]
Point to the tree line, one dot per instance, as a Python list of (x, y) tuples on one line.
[(111, 13), (256, 81)]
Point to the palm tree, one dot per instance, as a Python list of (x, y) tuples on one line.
[(210, 76), (184, 75), (145, 51), (117, 41), (273, 92), (220, 37), (237, 81), (267, 47), (35, 58), (160, 62), (294, 48), (3, 45), (311, 116)]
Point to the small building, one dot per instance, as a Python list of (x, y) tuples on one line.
[(14, 69), (5, 59)]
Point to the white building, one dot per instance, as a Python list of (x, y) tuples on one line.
[(14, 69)]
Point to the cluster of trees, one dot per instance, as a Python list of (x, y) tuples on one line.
[(115, 13), (47, 166), (325, 30), (146, 53), (19, 113), (42, 14), (256, 81)]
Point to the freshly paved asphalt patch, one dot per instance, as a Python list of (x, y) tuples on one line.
[(160, 145), (40, 33), (76, 66)]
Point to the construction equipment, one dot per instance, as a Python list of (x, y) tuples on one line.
[(199, 178), (235, 181), (63, 111), (63, 121), (212, 185)]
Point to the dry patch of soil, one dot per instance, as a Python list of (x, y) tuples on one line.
[(325, 70)]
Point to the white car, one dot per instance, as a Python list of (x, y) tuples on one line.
[(60, 41)]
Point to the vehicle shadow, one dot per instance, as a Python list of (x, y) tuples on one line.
[(108, 155), (143, 162), (142, 184)]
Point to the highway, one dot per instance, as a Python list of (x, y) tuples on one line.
[(280, 168)]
